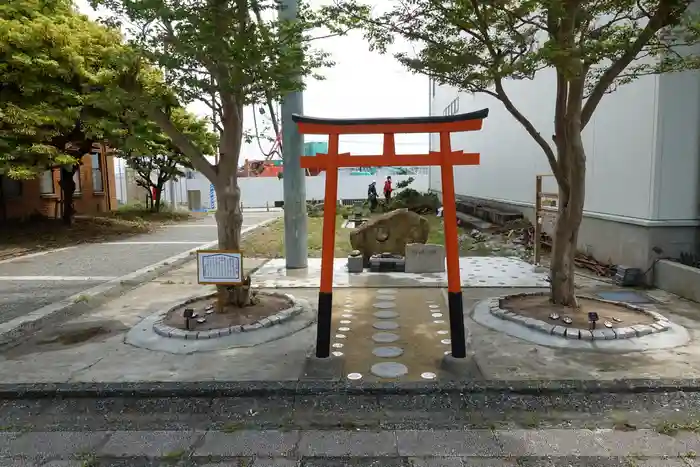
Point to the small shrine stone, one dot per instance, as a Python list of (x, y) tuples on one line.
[(421, 258)]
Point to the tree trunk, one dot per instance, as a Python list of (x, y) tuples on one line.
[(569, 219), (149, 198), (67, 185), (3, 203), (229, 219)]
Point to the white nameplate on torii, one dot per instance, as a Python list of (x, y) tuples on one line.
[(219, 267)]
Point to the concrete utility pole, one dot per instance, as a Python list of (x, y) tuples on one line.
[(293, 179)]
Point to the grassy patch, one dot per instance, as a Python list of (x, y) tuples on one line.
[(137, 212), (174, 456), (672, 429), (268, 242), (232, 427)]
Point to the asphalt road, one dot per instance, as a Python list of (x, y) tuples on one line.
[(32, 282)]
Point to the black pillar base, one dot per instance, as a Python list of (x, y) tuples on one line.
[(458, 335), (323, 369), (460, 369), (323, 330)]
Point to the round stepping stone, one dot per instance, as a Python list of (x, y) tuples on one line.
[(337, 345), (433, 306), (384, 337), (443, 332), (387, 352), (346, 315), (385, 314), (340, 336), (354, 376), (389, 369), (386, 291), (446, 341), (437, 315), (428, 375), (343, 329), (386, 325), (384, 305), (337, 354), (437, 321), (345, 321), (388, 298)]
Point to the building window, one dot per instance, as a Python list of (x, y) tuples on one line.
[(46, 184), (97, 181), (11, 188), (452, 108)]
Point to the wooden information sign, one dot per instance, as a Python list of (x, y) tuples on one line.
[(219, 267)]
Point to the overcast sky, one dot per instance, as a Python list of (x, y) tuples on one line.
[(362, 84)]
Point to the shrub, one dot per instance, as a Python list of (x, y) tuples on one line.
[(415, 201)]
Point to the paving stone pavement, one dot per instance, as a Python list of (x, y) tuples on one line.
[(386, 448)]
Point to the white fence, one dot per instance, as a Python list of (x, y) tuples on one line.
[(261, 191)]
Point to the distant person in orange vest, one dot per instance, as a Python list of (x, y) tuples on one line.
[(388, 189)]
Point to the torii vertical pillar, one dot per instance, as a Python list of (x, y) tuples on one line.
[(445, 158)]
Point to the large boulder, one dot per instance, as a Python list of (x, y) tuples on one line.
[(389, 233)]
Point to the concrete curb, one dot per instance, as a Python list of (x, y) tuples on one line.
[(352, 447), (143, 335), (18, 328), (346, 388)]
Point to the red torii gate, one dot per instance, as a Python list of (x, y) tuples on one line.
[(446, 158)]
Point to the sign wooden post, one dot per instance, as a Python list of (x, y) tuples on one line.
[(546, 206), (445, 158)]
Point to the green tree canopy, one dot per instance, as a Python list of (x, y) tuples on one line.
[(56, 71), (152, 154), (227, 54)]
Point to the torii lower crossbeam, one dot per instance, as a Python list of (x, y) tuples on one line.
[(445, 158)]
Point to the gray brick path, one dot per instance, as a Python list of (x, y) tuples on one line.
[(388, 448)]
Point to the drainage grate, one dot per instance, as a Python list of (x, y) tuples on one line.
[(626, 297)]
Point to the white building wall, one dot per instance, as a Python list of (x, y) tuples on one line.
[(677, 168), (620, 143)]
